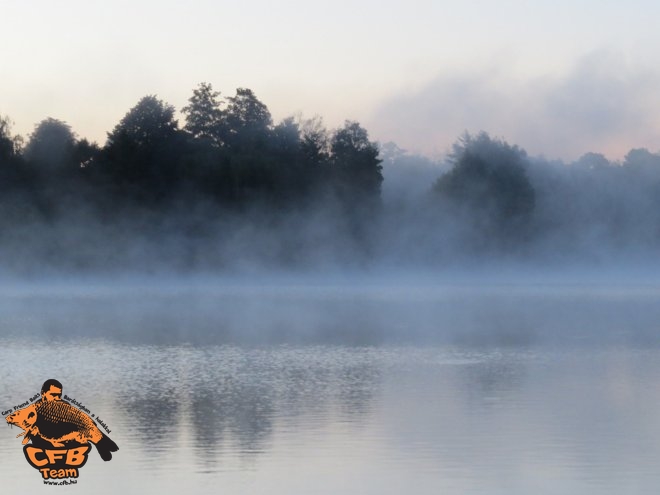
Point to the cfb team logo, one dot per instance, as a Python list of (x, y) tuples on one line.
[(58, 434)]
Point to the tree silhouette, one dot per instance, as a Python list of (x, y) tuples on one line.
[(204, 116), (489, 183), (248, 119), (51, 146), (315, 142), (13, 174), (149, 123), (10, 146), (292, 177), (355, 164), (642, 163), (144, 151)]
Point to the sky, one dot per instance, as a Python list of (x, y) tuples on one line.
[(559, 78)]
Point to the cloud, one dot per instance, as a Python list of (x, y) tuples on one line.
[(603, 103)]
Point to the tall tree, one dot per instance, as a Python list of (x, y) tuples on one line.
[(10, 146), (51, 146), (642, 163), (148, 123), (314, 141), (144, 150), (248, 119), (12, 171), (355, 163), (488, 183), (291, 177), (204, 115)]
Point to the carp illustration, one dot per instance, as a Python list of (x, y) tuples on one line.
[(60, 423)]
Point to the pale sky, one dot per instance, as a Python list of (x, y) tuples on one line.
[(558, 78)]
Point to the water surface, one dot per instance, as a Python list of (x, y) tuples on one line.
[(367, 390)]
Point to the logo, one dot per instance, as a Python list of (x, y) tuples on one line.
[(58, 435)]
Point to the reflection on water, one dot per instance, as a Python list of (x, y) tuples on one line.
[(381, 414)]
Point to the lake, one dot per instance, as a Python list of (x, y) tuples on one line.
[(345, 389)]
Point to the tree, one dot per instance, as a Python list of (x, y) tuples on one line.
[(291, 177), (149, 123), (204, 117), (355, 163), (12, 169), (248, 120), (593, 161), (51, 146), (489, 183), (315, 141), (144, 150), (286, 136), (641, 164), (10, 146)]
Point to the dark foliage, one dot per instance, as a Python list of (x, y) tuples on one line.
[(488, 184), (229, 153), (51, 146)]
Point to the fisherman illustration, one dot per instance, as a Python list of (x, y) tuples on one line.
[(52, 422)]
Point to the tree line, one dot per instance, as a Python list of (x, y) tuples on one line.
[(229, 159), (228, 152)]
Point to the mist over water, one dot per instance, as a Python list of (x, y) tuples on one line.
[(350, 313), (304, 388), (492, 380)]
